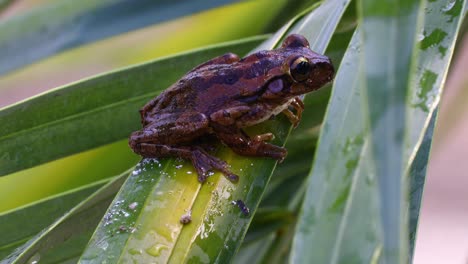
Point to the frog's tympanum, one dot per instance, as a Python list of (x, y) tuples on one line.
[(222, 96)]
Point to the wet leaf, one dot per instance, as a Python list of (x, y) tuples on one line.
[(65, 239), (417, 173), (442, 22), (356, 202), (217, 227), (20, 225)]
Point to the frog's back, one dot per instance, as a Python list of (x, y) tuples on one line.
[(214, 86), (177, 96)]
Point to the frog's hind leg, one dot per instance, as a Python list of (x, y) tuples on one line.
[(203, 162), (172, 129), (178, 135)]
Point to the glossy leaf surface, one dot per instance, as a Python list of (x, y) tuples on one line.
[(65, 239), (369, 139), (218, 227), (17, 226)]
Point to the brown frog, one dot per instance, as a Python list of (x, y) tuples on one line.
[(226, 94)]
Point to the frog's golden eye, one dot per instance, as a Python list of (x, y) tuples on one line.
[(300, 69)]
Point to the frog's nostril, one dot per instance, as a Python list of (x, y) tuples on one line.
[(325, 66), (326, 70)]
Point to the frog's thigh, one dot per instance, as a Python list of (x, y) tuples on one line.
[(173, 128), (152, 150)]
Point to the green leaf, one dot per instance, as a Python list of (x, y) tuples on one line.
[(345, 210), (437, 39), (323, 214), (167, 189), (65, 24), (16, 226), (65, 239), (417, 174), (254, 252), (287, 185), (267, 220), (104, 108), (391, 27), (52, 178)]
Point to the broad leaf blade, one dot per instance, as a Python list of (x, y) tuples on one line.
[(104, 108), (217, 226), (391, 27), (66, 24), (16, 226), (335, 178), (66, 238), (417, 173), (436, 44), (342, 209), (292, 173)]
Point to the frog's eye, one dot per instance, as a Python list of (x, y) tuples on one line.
[(300, 69)]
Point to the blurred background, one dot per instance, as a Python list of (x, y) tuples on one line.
[(442, 234)]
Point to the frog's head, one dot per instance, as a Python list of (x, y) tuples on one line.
[(305, 70)]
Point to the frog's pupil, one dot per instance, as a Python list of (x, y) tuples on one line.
[(302, 67)]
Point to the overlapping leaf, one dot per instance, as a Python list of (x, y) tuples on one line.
[(217, 226), (16, 226), (345, 210), (64, 240)]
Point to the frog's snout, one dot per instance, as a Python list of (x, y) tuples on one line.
[(325, 72), (135, 140)]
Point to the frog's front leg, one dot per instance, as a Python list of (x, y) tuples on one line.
[(225, 125), (172, 129), (298, 105), (242, 144)]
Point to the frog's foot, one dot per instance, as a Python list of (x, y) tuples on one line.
[(204, 163), (270, 150), (298, 106)]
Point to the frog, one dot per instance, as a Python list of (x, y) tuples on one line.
[(219, 98)]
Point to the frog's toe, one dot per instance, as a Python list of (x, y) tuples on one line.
[(231, 177), (202, 177), (202, 167), (204, 163), (273, 151)]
